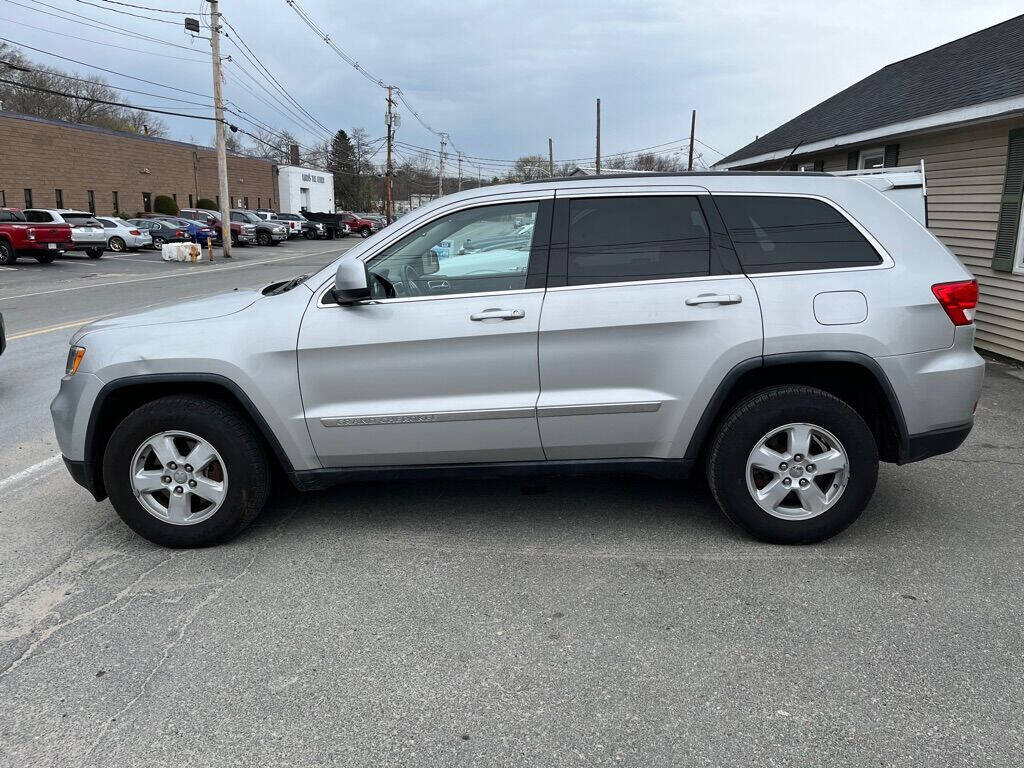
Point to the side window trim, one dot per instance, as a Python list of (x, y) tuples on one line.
[(886, 260)]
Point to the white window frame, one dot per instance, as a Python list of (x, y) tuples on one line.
[(866, 153)]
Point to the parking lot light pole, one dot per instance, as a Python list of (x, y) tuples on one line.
[(222, 155)]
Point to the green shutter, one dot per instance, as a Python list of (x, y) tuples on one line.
[(819, 165), (1010, 204), (851, 160), (892, 156)]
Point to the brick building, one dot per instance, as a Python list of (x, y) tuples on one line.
[(54, 164)]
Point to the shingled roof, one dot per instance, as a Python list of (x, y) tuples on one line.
[(983, 67)]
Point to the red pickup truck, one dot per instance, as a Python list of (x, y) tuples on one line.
[(18, 237)]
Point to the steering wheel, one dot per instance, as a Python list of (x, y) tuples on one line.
[(409, 278)]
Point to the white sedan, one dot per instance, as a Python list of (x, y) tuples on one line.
[(122, 236)]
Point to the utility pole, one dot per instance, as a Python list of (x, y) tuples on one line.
[(693, 127), (597, 155), (460, 171), (479, 177), (551, 158), (389, 171), (218, 110), (440, 166)]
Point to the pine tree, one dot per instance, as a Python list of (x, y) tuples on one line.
[(341, 163)]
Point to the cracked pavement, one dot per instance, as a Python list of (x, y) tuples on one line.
[(575, 621)]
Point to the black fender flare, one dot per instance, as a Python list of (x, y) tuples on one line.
[(93, 474), (713, 410)]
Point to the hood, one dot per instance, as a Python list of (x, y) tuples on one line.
[(198, 309)]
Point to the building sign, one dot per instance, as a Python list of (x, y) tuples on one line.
[(313, 177)]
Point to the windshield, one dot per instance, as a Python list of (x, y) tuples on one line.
[(249, 216)]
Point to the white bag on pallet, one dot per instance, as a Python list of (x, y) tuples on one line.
[(181, 252)]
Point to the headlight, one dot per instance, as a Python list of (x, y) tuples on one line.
[(75, 355)]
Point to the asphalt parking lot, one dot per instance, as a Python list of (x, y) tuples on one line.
[(575, 621)]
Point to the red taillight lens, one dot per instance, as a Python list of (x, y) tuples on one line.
[(179, 233), (958, 299), (134, 232)]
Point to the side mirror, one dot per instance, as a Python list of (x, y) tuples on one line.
[(351, 282)]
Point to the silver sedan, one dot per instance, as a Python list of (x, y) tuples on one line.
[(122, 236)]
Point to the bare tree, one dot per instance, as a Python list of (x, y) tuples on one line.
[(80, 105)]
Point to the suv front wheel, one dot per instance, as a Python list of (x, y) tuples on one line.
[(793, 465), (185, 471)]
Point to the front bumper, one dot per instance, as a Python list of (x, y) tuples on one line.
[(279, 236)]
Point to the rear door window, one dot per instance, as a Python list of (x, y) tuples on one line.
[(626, 239), (788, 234)]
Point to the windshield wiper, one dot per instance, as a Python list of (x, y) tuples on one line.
[(288, 285)]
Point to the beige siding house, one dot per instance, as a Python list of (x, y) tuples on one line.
[(959, 109)]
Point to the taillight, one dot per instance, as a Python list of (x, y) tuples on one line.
[(958, 299), (179, 233), (30, 233), (134, 232)]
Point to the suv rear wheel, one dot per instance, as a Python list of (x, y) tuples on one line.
[(793, 465), (185, 471)]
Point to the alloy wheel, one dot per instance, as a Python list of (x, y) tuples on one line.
[(797, 471), (179, 478)]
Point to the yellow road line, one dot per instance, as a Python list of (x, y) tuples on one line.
[(51, 328)]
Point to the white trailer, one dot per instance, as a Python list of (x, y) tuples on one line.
[(304, 189)]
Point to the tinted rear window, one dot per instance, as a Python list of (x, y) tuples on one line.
[(784, 234), (11, 216), (621, 239)]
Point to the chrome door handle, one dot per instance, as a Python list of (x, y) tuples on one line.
[(714, 298), (499, 314)]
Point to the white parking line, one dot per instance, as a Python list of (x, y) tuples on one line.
[(167, 277), (35, 469)]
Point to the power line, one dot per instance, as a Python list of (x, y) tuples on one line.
[(85, 80), (64, 13), (103, 42), (128, 13), (108, 71), (288, 114), (52, 92), (145, 8), (239, 39)]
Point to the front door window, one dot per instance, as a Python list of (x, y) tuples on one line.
[(475, 250)]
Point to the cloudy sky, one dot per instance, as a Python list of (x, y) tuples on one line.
[(501, 77)]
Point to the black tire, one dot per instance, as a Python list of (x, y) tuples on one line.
[(117, 245), (365, 232), (769, 409), (7, 254), (158, 242), (263, 238), (94, 253), (309, 234), (228, 430), (46, 258)]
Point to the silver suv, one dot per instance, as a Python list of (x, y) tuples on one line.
[(782, 333)]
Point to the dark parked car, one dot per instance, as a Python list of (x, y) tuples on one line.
[(162, 231), (200, 233)]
